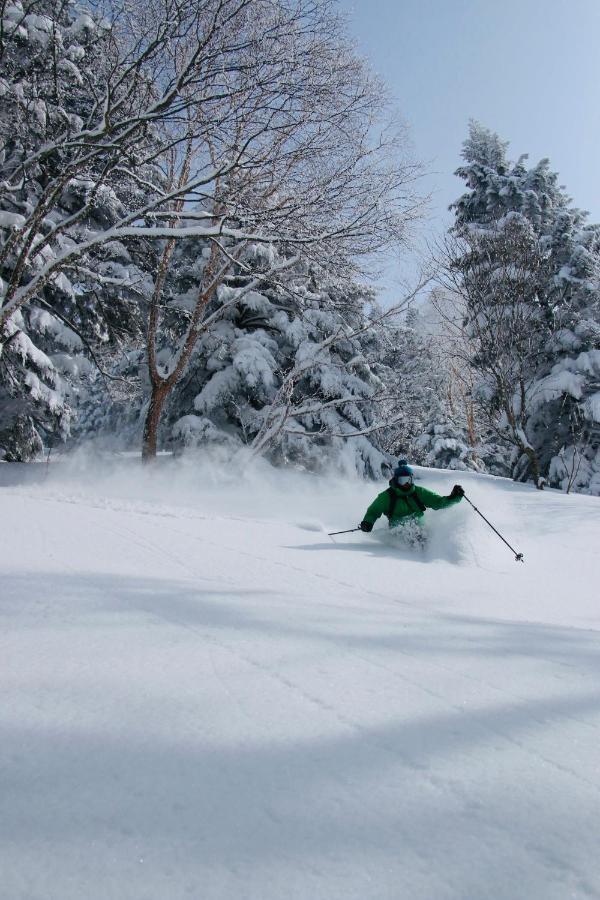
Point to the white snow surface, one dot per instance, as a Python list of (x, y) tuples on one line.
[(204, 696)]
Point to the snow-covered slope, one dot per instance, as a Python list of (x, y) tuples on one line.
[(204, 697)]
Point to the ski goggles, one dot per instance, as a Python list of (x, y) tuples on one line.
[(404, 479)]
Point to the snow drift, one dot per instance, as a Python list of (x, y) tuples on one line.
[(204, 696)]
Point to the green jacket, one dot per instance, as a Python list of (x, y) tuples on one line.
[(406, 506)]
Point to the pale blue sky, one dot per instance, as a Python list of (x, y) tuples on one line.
[(528, 69)]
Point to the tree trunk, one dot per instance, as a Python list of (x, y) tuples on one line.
[(158, 396), (471, 427), (534, 467)]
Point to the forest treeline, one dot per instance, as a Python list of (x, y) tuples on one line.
[(192, 199)]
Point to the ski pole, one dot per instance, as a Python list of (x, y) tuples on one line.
[(518, 556), (348, 530)]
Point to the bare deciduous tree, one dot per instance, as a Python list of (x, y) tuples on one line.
[(309, 171), (226, 121)]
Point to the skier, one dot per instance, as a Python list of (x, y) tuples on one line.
[(404, 504)]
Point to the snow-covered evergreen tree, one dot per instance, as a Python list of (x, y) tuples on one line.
[(51, 62), (36, 345), (284, 372), (566, 405), (528, 272)]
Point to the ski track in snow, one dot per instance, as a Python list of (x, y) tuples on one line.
[(228, 708)]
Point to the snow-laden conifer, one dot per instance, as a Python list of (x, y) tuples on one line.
[(524, 267), (284, 372), (51, 62)]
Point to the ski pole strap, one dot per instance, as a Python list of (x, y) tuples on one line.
[(347, 531), (518, 556)]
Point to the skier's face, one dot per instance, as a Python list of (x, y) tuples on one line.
[(404, 482)]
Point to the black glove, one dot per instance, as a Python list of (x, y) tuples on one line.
[(366, 526), (457, 491)]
